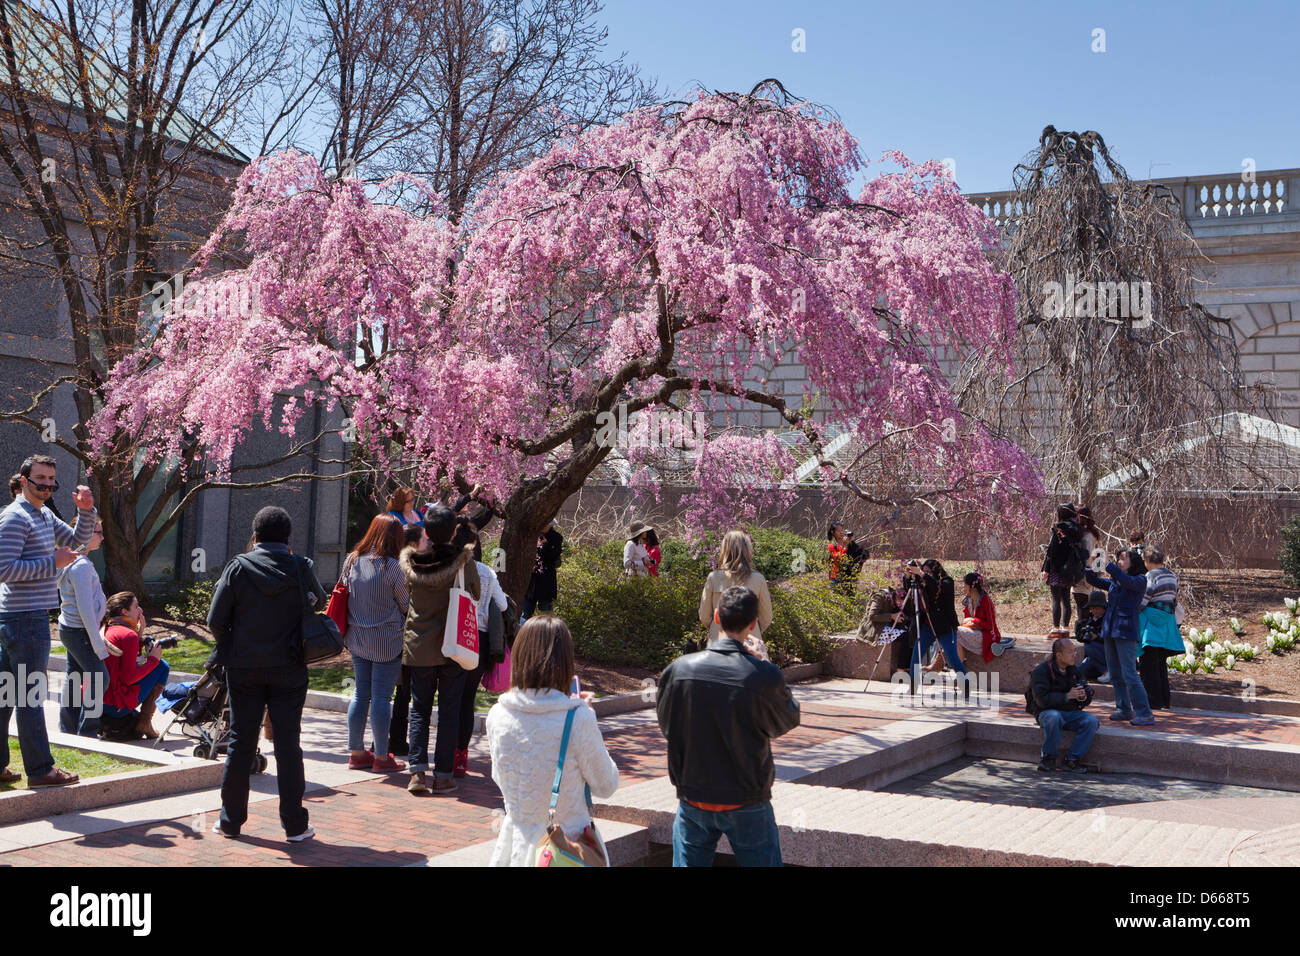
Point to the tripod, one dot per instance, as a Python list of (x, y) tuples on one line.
[(917, 600)]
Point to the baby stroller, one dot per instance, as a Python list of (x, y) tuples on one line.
[(203, 715)]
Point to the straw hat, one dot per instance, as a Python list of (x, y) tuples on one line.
[(638, 528)]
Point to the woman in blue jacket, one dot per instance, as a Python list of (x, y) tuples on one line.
[(1125, 583)]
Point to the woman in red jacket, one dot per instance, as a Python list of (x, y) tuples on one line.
[(130, 682), (978, 633)]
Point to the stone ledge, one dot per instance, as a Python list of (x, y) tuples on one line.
[(178, 777), (1124, 750)]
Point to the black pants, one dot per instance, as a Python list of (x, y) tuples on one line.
[(472, 679), (1153, 668), (1060, 605), (447, 681), (280, 692), (398, 740)]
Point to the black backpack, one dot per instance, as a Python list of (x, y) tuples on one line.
[(1075, 562)]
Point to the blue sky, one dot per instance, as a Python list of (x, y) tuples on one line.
[(1182, 89)]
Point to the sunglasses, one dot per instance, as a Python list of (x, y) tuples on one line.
[(40, 487)]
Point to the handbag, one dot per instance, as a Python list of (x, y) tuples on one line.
[(460, 633), (321, 638), (496, 680), (337, 608), (556, 849)]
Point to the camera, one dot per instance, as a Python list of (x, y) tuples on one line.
[(162, 643)]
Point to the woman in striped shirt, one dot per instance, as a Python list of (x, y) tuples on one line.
[(377, 602), (1161, 638)]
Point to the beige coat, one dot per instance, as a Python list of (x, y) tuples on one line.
[(719, 581)]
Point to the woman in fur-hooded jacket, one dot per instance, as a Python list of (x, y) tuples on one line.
[(430, 576)]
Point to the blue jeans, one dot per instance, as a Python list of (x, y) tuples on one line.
[(751, 831), (1080, 723), (373, 693), (25, 637), (84, 686), (1130, 695), (155, 678), (949, 644)]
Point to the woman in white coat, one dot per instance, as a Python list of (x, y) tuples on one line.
[(524, 728)]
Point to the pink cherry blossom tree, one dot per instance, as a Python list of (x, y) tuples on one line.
[(661, 263)]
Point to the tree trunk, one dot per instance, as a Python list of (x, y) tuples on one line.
[(115, 500)]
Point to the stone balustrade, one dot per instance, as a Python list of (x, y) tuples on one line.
[(1218, 196)]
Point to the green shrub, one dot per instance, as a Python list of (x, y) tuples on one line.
[(1290, 554), (189, 602), (636, 622), (805, 612), (781, 554)]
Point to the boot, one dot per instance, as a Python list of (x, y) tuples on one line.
[(144, 723)]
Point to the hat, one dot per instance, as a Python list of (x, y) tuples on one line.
[(638, 528), (1096, 599)]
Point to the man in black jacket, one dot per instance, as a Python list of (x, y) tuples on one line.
[(256, 620), (720, 710), (1056, 697)]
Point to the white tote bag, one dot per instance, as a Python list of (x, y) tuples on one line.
[(460, 634)]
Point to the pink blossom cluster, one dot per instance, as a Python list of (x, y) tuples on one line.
[(694, 246)]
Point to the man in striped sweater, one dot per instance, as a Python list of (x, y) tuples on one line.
[(34, 547)]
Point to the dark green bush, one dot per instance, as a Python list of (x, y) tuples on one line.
[(189, 601), (1290, 554), (805, 612), (636, 622)]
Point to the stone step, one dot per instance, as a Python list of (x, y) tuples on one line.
[(827, 826)]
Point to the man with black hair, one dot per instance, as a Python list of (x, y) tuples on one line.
[(1056, 697), (256, 620), (720, 710), (35, 546)]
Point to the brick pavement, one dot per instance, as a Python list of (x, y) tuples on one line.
[(375, 822)]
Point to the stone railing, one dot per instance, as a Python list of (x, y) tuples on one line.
[(1203, 198)]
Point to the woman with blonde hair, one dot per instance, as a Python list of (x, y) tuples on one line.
[(735, 569)]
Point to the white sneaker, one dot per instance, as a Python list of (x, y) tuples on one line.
[(306, 834), (1104, 678)]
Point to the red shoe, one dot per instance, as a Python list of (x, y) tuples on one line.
[(460, 764), (361, 763), (386, 764)]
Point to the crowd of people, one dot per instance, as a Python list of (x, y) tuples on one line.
[(719, 705)]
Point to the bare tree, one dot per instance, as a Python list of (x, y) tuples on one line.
[(1125, 384), (115, 125), (506, 78)]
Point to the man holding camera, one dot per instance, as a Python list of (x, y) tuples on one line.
[(1056, 696), (34, 547)]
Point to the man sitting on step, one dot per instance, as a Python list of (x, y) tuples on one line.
[(1056, 696)]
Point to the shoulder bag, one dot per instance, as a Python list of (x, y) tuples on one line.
[(556, 849), (337, 608), (321, 638)]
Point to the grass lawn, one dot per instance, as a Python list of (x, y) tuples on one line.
[(81, 762)]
